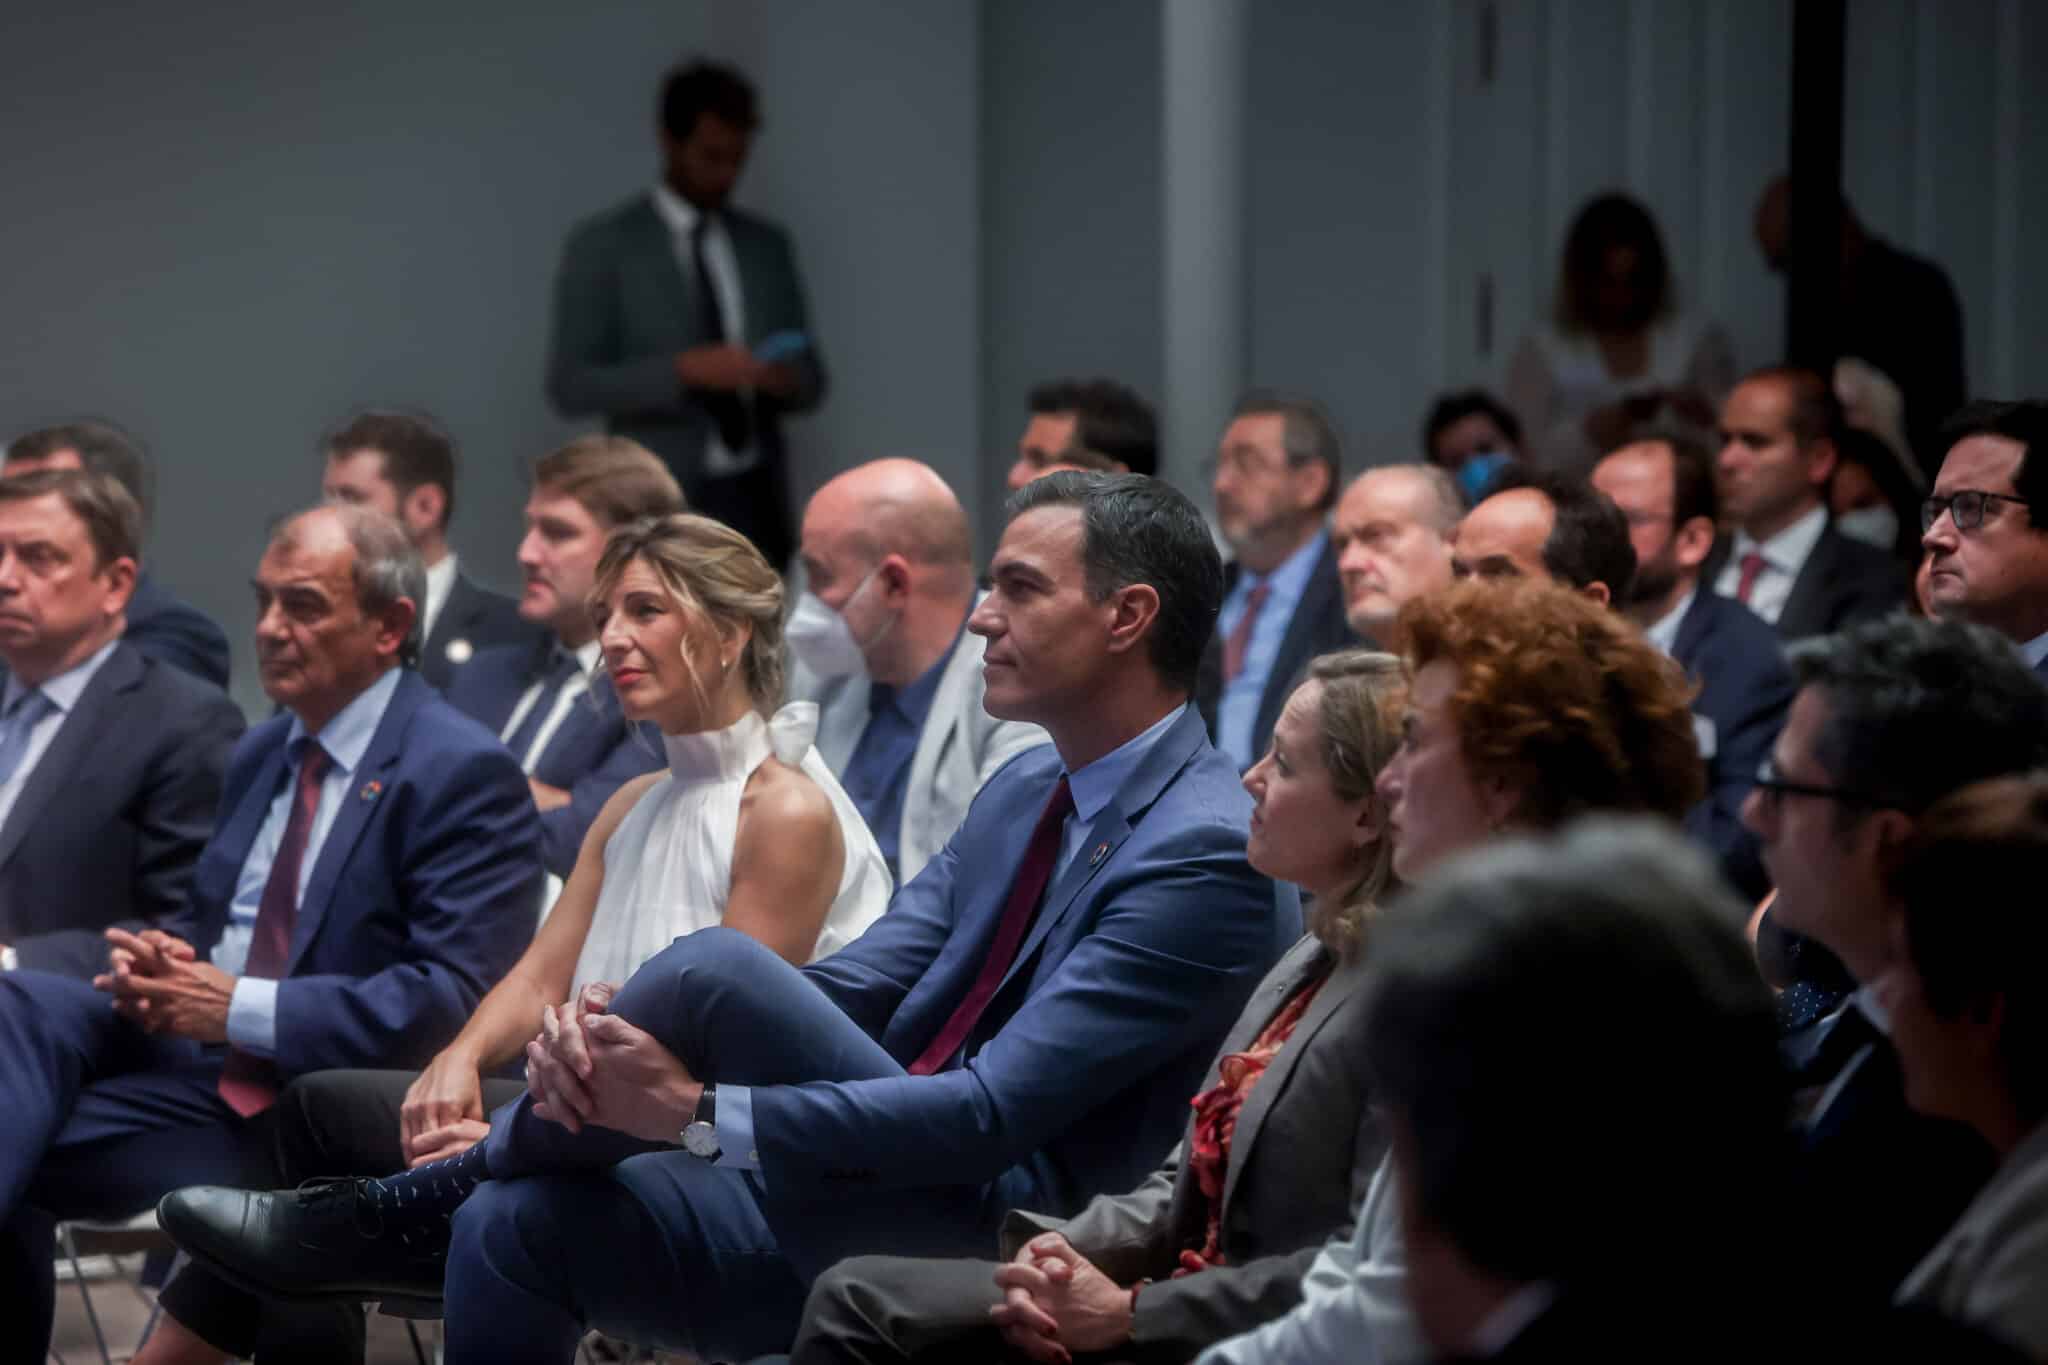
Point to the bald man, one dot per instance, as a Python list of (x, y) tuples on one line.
[(1546, 525), (1391, 532), (881, 645)]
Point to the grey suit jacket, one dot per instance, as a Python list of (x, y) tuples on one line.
[(960, 747), (1301, 1160), (1991, 1268), (623, 309)]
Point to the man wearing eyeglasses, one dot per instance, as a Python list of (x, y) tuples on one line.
[(1784, 560), (1890, 716), (1987, 547)]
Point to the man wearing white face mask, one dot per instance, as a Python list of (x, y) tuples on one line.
[(880, 644)]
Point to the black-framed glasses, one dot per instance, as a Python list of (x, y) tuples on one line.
[(1771, 785), (1965, 506)]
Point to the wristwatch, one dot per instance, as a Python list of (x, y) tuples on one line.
[(700, 1137)]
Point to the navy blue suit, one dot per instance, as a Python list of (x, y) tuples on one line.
[(593, 753), (1738, 663), (472, 620), (1076, 1079), (109, 825), (164, 628), (423, 895)]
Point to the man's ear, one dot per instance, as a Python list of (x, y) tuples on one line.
[(1693, 542), (394, 623), (1599, 593), (1134, 608), (1820, 461), (424, 507)]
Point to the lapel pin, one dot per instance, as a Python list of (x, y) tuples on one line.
[(1101, 852), (459, 651), (371, 791)]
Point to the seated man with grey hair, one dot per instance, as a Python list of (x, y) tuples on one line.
[(1391, 532), (376, 868)]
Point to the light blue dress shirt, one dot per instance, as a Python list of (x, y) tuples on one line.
[(1093, 786), (1237, 711), (252, 1010)]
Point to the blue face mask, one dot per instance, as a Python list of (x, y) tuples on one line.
[(1476, 475)]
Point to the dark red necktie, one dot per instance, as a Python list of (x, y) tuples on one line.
[(1240, 642), (1018, 911), (1751, 564), (247, 1082)]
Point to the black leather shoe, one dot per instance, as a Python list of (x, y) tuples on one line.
[(326, 1240)]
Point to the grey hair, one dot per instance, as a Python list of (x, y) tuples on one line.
[(387, 566), (1449, 506)]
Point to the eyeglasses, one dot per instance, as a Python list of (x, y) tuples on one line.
[(1772, 786), (1966, 507)]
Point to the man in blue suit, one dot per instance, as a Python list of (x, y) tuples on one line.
[(549, 701), (375, 870), (1022, 1028), (1665, 487), (110, 760), (159, 624)]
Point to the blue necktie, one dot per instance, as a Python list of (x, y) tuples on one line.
[(562, 666), (17, 725)]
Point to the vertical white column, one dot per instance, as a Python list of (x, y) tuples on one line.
[(1202, 230)]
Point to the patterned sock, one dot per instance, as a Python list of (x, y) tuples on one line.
[(435, 1189)]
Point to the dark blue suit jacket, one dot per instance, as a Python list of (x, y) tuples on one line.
[(472, 620), (593, 753), (108, 826), (1078, 1076), (164, 628), (425, 892), (1738, 663)]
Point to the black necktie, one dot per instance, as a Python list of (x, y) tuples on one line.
[(562, 666), (726, 407)]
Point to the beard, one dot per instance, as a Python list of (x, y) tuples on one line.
[(1655, 578)]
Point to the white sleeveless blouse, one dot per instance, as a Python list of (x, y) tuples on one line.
[(668, 866)]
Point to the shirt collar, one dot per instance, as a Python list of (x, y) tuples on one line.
[(1788, 549), (679, 213), (348, 734), (2036, 649), (1865, 999), (441, 582), (1095, 784), (587, 656), (67, 687), (1664, 634), (1290, 576), (914, 700)]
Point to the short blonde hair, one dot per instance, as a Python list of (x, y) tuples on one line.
[(714, 572), (1359, 727)]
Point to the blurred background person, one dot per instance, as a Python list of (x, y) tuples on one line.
[(1874, 497), (1471, 435), (1616, 333), (1096, 424)]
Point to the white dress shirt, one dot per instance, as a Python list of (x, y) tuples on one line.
[(1664, 634), (252, 1010), (681, 216), (1785, 554), (2035, 650), (572, 690), (440, 584), (64, 690)]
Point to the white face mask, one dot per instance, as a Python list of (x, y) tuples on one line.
[(822, 641), (1877, 526)]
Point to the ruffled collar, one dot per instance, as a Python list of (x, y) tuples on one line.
[(735, 751)]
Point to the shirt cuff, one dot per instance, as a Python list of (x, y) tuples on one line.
[(252, 1016), (735, 1126)]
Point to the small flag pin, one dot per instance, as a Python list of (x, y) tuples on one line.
[(371, 791), (1101, 852)]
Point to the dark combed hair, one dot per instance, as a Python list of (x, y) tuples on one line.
[(1974, 931), (1136, 529), (1599, 979), (1588, 541), (102, 447), (2025, 422), (417, 451), (1110, 419), (101, 502), (1695, 491), (1307, 434), (1816, 412), (696, 88), (1918, 708), (1453, 408), (1607, 221)]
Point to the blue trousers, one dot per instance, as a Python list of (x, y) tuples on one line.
[(97, 1120), (598, 1229)]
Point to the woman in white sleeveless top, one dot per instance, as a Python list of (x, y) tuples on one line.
[(747, 827)]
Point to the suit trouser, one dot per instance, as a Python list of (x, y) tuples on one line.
[(598, 1229), (97, 1120), (331, 1123), (887, 1310)]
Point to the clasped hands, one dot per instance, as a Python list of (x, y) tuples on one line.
[(1056, 1303), (588, 1066), (158, 982)]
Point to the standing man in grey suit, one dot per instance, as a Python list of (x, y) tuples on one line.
[(681, 320), (403, 465), (881, 645)]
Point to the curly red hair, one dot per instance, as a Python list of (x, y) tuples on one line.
[(1560, 698)]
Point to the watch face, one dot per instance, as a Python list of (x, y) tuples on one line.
[(701, 1139)]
